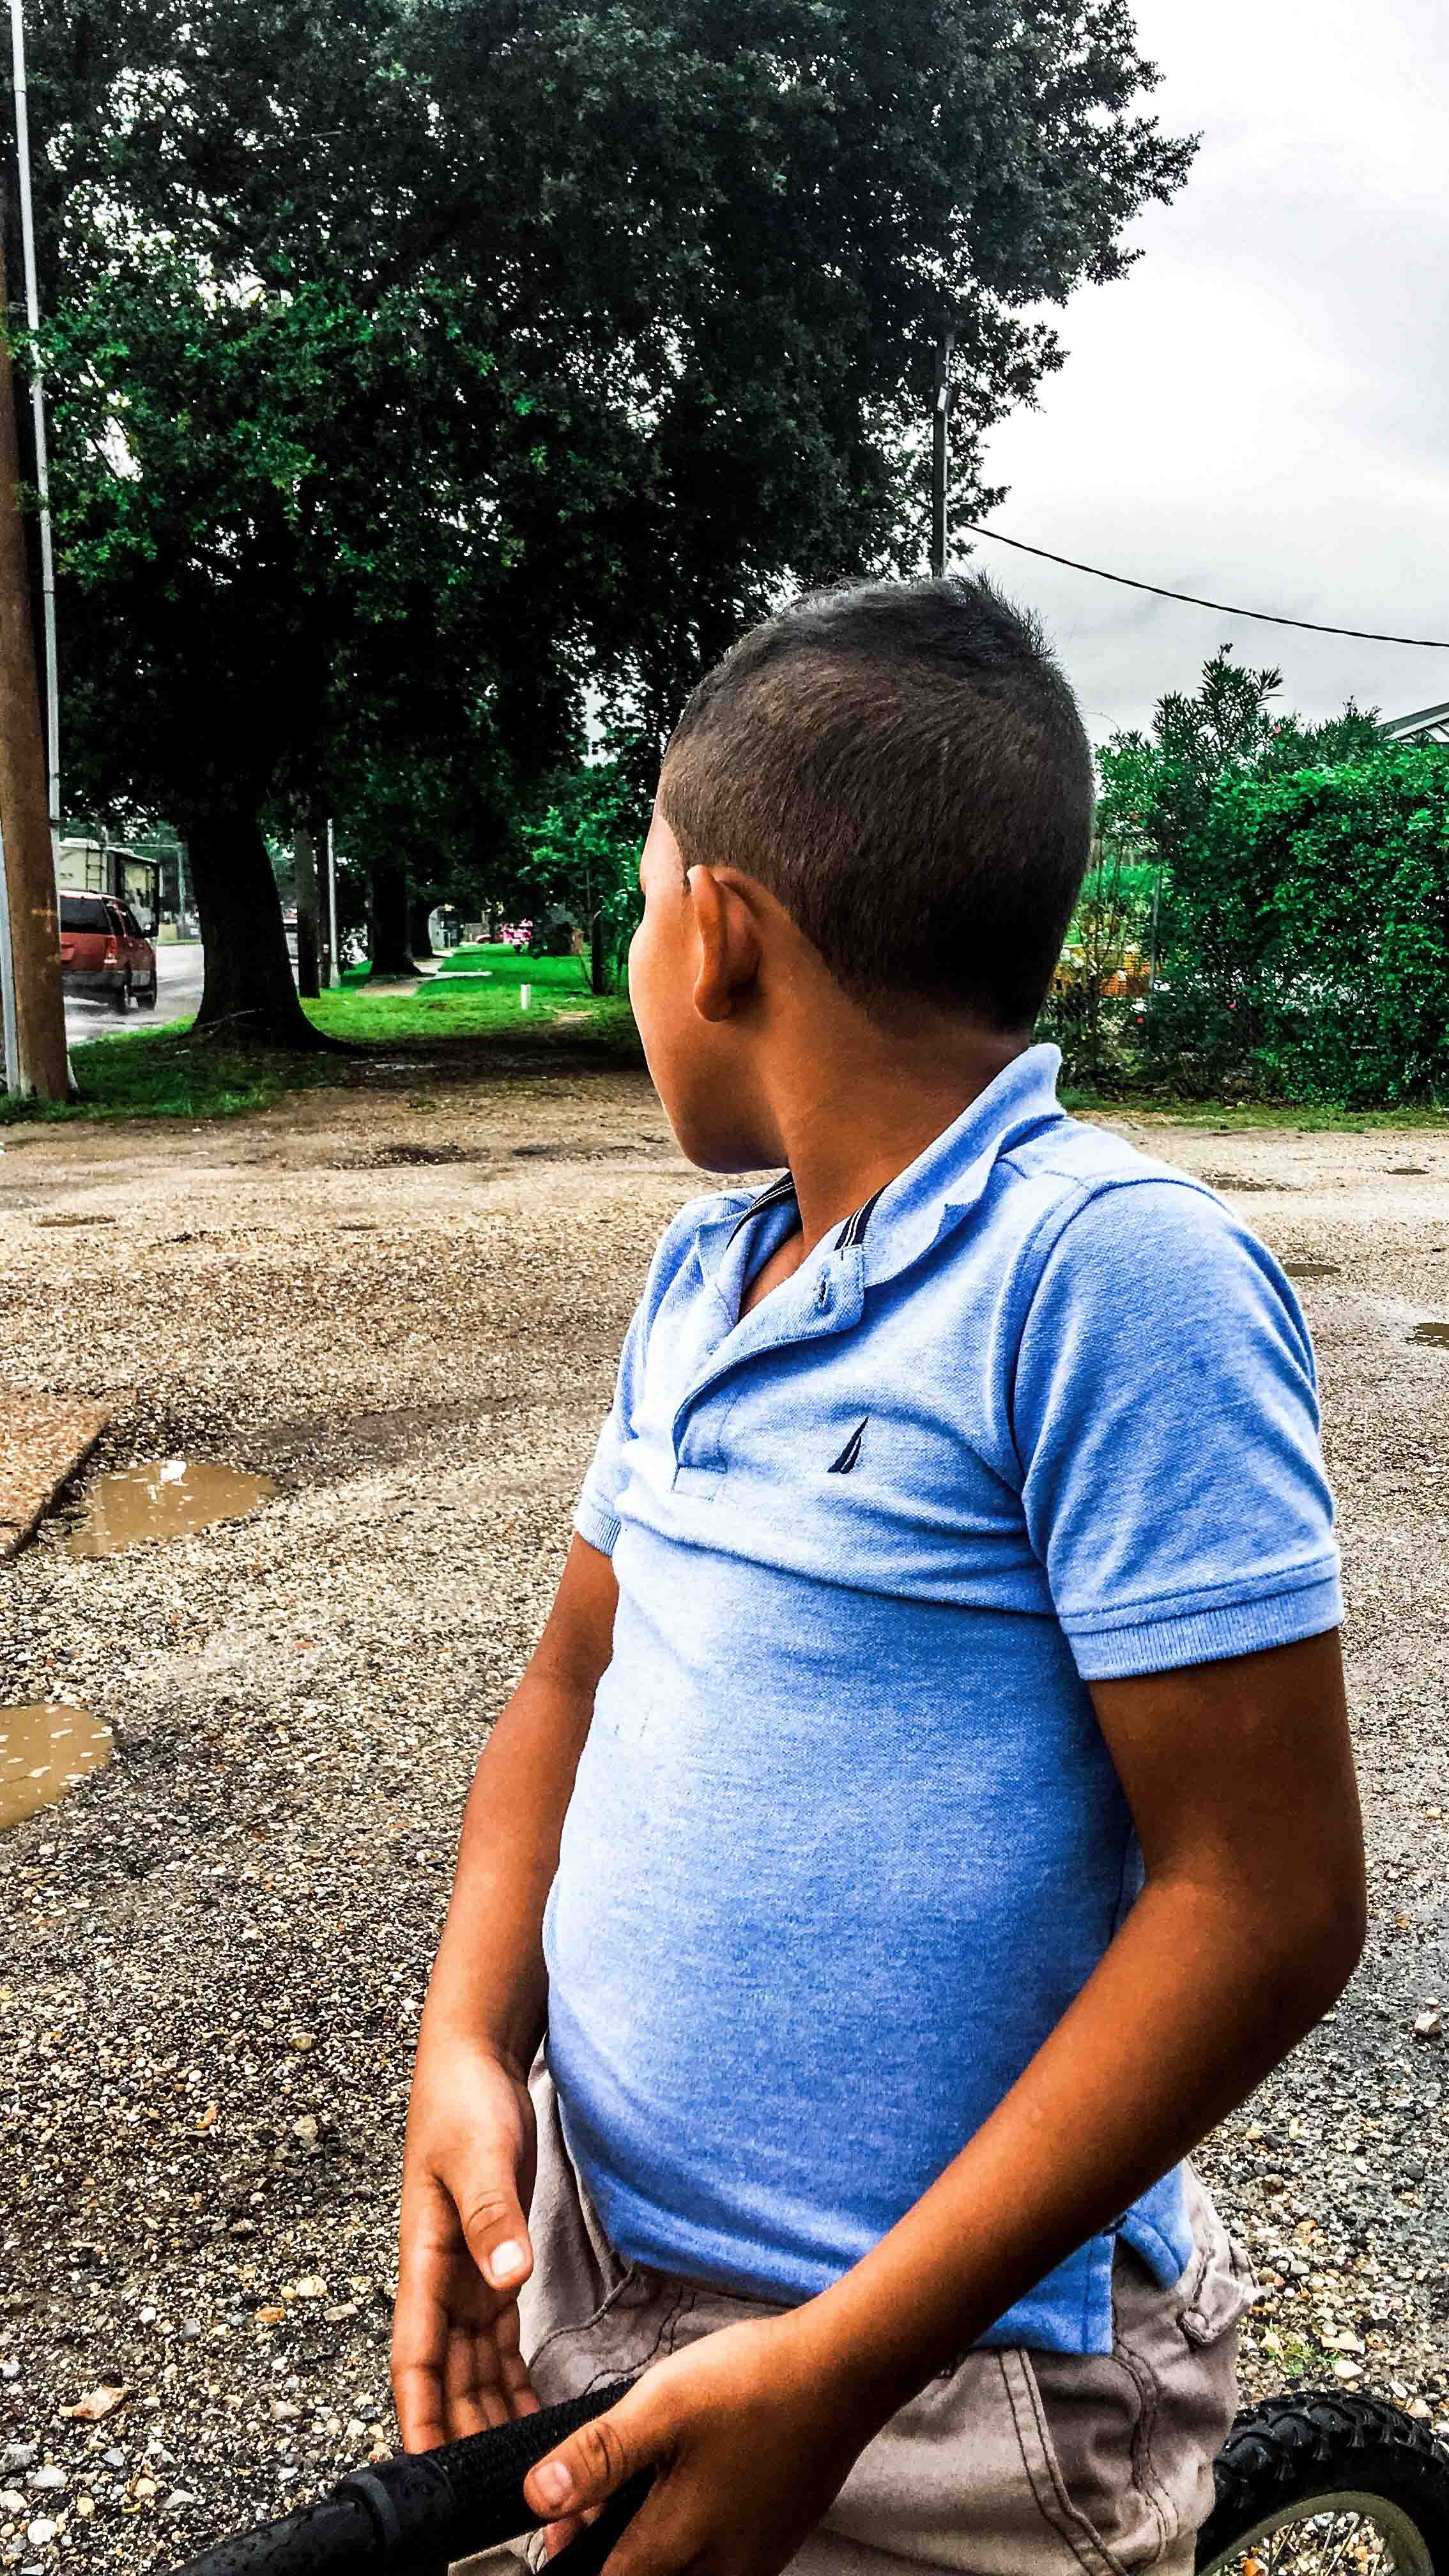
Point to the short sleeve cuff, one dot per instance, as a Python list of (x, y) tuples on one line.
[(1206, 1633), (600, 1527)]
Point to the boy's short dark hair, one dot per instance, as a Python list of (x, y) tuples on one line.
[(902, 764)]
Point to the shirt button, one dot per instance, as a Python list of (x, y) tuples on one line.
[(822, 1291)]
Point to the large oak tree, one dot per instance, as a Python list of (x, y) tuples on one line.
[(417, 353)]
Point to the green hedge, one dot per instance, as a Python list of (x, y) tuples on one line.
[(1303, 945)]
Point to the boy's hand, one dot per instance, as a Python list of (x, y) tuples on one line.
[(464, 2251), (749, 2445)]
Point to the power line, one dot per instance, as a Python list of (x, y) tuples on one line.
[(1264, 616)]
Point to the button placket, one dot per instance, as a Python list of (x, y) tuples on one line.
[(811, 1319)]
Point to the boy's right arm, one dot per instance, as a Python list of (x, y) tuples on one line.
[(468, 2161)]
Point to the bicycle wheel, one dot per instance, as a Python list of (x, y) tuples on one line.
[(1328, 2485)]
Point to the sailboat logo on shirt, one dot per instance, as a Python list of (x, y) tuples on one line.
[(842, 1465)]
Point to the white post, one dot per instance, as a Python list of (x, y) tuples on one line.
[(7, 986), (334, 962), (37, 411)]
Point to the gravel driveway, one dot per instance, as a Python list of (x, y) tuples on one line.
[(404, 1308)]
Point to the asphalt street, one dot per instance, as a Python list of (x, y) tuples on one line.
[(178, 977)]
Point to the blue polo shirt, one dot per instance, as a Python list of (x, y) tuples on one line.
[(846, 1839)]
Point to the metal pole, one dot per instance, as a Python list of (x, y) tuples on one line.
[(7, 986), (939, 454), (334, 962), (37, 411)]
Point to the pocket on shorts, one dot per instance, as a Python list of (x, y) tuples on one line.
[(964, 2478), (1079, 2423), (1218, 2284), (1127, 2438)]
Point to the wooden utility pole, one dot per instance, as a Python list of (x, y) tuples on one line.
[(940, 453), (42, 1069)]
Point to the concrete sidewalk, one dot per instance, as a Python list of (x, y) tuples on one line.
[(43, 1439)]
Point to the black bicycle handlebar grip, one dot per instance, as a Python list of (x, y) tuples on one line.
[(411, 2516)]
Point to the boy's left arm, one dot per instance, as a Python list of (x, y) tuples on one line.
[(1240, 1781)]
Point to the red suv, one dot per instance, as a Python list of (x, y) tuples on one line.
[(103, 950)]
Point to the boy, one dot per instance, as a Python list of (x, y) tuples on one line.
[(929, 1808)]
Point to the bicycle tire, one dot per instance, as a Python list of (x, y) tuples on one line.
[(1335, 2452)]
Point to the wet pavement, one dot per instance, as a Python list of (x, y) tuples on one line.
[(180, 969)]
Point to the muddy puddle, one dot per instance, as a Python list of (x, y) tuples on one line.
[(1311, 1269), (587, 1149), (43, 1752), (163, 1498), (400, 1156), (1437, 1334)]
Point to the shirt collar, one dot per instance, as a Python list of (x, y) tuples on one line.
[(943, 1183), (946, 1181)]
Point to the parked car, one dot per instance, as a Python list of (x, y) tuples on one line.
[(105, 952)]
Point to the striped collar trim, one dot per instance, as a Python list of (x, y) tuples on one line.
[(851, 1233)]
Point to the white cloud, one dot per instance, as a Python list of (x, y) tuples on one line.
[(1256, 412)]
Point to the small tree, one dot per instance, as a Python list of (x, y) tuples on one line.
[(1162, 797), (580, 850), (1107, 940)]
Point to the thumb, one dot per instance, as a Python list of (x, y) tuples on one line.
[(596, 2461), (493, 2223)]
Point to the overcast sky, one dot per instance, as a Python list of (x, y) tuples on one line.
[(1260, 409)]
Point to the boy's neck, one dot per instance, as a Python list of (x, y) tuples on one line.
[(853, 1114)]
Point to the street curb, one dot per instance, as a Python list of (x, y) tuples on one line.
[(43, 1440)]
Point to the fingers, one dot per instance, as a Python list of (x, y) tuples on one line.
[(594, 2462), (419, 2355), (494, 2224), (465, 2388), (557, 2535), (456, 2364), (456, 2367), (417, 2394)]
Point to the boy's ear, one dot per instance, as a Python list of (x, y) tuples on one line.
[(729, 944)]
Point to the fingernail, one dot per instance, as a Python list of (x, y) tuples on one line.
[(505, 2261), (552, 2482)]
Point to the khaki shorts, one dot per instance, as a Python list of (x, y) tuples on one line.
[(1013, 2461)]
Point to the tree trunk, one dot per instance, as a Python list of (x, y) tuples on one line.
[(418, 939), (309, 961), (388, 920), (598, 955), (309, 918), (248, 995)]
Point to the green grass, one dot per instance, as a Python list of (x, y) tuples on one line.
[(1308, 1118), (510, 966), (168, 1073), (456, 1018), (460, 1004)]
